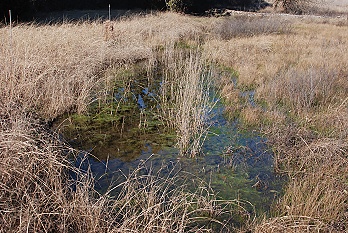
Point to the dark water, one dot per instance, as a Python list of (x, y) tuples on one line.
[(236, 164)]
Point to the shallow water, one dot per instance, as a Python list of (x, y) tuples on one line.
[(237, 165)]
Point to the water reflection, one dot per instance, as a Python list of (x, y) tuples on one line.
[(237, 165)]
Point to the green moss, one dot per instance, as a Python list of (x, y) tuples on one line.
[(228, 69), (182, 44)]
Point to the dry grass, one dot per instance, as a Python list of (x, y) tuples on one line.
[(316, 57), (304, 70), (154, 30), (185, 101), (315, 196), (295, 6), (249, 25), (299, 77), (41, 191), (36, 191), (300, 80), (53, 69)]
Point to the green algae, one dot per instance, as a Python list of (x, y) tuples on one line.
[(116, 127)]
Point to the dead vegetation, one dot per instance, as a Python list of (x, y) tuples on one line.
[(299, 78)]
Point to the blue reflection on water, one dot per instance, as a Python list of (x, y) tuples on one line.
[(140, 102), (226, 151)]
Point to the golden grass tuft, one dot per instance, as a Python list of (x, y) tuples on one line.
[(51, 69), (185, 101), (36, 191), (251, 116)]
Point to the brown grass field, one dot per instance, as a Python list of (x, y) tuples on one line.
[(297, 66)]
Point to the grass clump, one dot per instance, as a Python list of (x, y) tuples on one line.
[(36, 189), (184, 98), (248, 26), (299, 78)]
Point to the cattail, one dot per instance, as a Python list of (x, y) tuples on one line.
[(108, 29)]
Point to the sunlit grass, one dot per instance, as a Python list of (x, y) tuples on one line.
[(300, 81)]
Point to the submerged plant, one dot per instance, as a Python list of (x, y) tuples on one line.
[(168, 200)]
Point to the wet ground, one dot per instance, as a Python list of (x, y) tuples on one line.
[(236, 164)]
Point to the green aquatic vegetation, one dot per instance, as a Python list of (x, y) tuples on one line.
[(227, 70), (186, 45), (113, 130), (237, 184)]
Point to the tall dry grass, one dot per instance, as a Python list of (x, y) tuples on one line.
[(49, 70), (185, 101), (315, 197), (300, 83), (42, 190), (36, 188)]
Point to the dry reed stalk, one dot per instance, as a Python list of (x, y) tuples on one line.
[(309, 64), (41, 190), (108, 29), (35, 188), (185, 100)]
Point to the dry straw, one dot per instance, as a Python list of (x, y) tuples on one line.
[(49, 70), (185, 98)]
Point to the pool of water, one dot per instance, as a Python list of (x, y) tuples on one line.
[(236, 164)]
